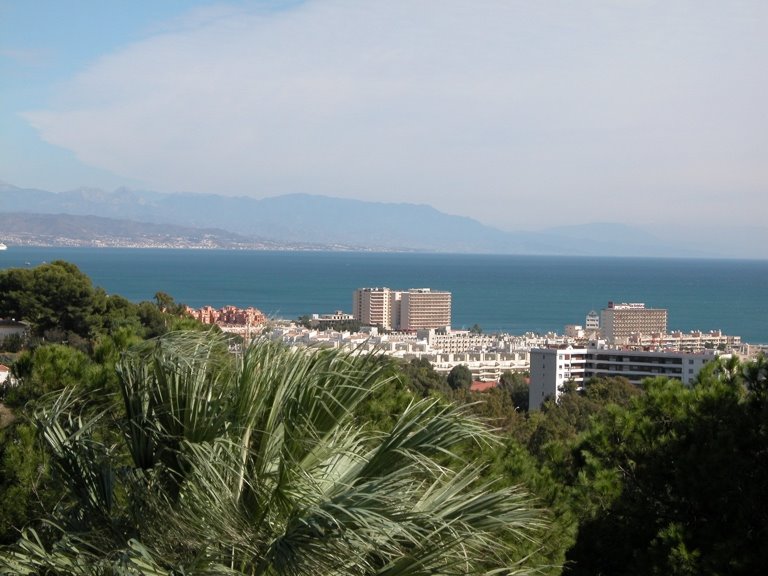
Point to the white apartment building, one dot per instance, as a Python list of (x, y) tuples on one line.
[(450, 342), (592, 321), (694, 341), (552, 368), (485, 366), (325, 319), (13, 328)]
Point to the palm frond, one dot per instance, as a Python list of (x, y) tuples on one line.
[(254, 464), (82, 462)]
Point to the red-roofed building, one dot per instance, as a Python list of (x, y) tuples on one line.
[(228, 315), (482, 386)]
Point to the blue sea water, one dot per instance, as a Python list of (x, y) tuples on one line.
[(514, 294)]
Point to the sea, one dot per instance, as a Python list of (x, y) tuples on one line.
[(500, 293)]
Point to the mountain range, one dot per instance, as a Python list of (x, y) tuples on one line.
[(296, 221)]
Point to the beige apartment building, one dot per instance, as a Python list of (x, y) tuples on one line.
[(373, 307), (423, 308), (414, 309), (619, 322)]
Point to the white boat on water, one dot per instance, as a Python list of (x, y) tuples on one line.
[(3, 246)]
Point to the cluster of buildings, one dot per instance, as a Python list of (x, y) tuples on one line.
[(245, 322), (627, 340), (636, 326), (624, 339), (619, 323), (228, 315), (487, 356)]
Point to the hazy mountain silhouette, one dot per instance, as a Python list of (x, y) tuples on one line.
[(305, 218)]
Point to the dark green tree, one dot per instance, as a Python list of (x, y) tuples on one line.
[(55, 296), (516, 385), (63, 306), (421, 377), (460, 377), (681, 475), (514, 465), (728, 370), (25, 483), (305, 320), (561, 422), (166, 303), (493, 406), (47, 369)]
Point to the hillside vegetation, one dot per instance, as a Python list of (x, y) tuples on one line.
[(134, 441)]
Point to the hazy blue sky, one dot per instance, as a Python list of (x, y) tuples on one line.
[(522, 114)]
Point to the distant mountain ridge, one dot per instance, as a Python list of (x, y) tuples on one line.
[(71, 230), (310, 219)]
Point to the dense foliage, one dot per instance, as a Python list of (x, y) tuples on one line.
[(76, 335), (61, 305), (256, 464), (687, 469), (136, 449)]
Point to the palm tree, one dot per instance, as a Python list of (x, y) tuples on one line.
[(255, 463)]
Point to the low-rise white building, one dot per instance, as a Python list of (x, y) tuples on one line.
[(485, 367), (338, 316)]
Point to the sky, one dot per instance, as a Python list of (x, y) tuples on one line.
[(521, 114)]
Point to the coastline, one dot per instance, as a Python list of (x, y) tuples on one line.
[(512, 294)]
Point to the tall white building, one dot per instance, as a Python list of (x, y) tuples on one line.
[(373, 307), (551, 369), (415, 309)]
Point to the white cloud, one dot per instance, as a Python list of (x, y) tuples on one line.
[(517, 113)]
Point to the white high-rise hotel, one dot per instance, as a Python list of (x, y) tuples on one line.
[(415, 309)]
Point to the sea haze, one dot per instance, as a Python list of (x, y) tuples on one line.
[(513, 294)]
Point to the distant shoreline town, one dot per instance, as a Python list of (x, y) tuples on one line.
[(623, 339)]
